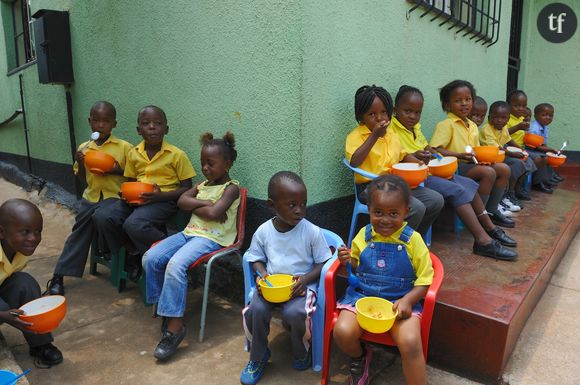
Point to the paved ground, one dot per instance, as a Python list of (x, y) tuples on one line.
[(108, 337)]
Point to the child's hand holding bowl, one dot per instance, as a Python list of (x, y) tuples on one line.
[(150, 197), (404, 308)]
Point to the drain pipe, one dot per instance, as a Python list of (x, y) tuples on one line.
[(71, 134), (23, 111)]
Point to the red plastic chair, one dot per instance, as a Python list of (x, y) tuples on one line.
[(234, 248), (330, 283)]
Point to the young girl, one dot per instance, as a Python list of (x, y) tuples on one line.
[(214, 204), (373, 148), (451, 137), (386, 251), (459, 191)]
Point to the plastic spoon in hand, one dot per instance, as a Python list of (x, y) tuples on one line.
[(437, 156), (563, 147), (265, 280), (94, 136), (469, 149)]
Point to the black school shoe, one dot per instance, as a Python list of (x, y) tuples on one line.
[(541, 187), (523, 195), (46, 355), (169, 343), (501, 220), (499, 235), (495, 250), (55, 286)]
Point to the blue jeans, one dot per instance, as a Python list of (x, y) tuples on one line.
[(166, 266)]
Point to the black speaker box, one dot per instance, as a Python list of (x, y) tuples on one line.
[(53, 48)]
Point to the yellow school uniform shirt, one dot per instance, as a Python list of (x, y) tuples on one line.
[(409, 142), (105, 186), (416, 250), (489, 136), (517, 136), (454, 134), (221, 233), (386, 151), (7, 268), (169, 166)]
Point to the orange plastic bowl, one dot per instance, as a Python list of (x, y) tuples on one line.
[(132, 190), (556, 160), (45, 313), (444, 168), (99, 162), (412, 173), (500, 156), (517, 149), (533, 140), (486, 154)]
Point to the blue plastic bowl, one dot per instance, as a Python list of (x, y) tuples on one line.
[(6, 376)]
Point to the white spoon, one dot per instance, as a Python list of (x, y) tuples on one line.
[(469, 149), (563, 147), (94, 136)]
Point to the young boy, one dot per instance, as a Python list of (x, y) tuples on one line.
[(543, 115), (478, 111), (100, 193), (20, 234), (287, 244), (152, 161), (495, 133)]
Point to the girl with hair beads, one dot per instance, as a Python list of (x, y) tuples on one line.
[(459, 191), (384, 252), (452, 135), (374, 148), (214, 204)]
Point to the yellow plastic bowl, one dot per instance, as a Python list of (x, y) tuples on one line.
[(444, 168), (375, 314), (556, 160), (281, 290)]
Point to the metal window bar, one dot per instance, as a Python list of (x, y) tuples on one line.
[(478, 18), (24, 22)]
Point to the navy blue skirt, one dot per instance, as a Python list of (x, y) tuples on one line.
[(457, 191)]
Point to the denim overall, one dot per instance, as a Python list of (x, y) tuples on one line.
[(384, 270)]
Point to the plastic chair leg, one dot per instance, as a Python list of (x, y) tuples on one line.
[(326, 355), (143, 288), (352, 227), (206, 294), (428, 237), (457, 224), (528, 183)]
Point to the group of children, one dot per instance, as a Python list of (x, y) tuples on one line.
[(389, 258)]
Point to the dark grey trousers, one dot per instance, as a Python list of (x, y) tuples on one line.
[(73, 258), (142, 225), (257, 318), (425, 205), (17, 290)]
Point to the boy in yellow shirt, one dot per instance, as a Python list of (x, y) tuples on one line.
[(102, 190), (20, 234), (152, 161)]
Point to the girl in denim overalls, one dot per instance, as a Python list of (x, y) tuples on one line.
[(392, 262)]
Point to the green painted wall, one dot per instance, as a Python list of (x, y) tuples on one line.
[(280, 74), (551, 73)]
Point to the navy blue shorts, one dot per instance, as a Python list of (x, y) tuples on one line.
[(457, 191)]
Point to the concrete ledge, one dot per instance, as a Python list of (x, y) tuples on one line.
[(7, 361)]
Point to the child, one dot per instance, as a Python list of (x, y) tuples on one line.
[(287, 244), (478, 111), (543, 115), (20, 234), (100, 193), (451, 137), (495, 133), (214, 205), (152, 161), (517, 127), (459, 191), (385, 251), (374, 148)]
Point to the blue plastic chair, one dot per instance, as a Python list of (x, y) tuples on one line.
[(361, 208), (333, 241)]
